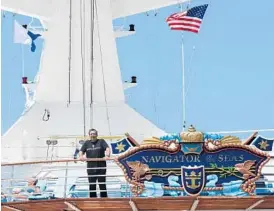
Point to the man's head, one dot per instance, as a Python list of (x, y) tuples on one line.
[(93, 134)]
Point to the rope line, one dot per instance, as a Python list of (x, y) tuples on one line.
[(82, 21), (91, 62)]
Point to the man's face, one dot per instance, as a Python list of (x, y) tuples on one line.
[(93, 135)]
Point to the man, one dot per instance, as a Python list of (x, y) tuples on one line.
[(96, 148)]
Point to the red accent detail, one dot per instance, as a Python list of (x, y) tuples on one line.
[(24, 80)]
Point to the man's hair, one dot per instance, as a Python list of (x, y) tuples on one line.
[(92, 130)]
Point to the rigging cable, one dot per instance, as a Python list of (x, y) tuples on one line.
[(23, 60), (29, 25), (70, 32), (91, 63), (243, 131), (104, 83), (156, 108), (82, 19), (9, 85)]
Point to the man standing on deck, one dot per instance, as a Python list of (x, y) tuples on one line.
[(96, 148)]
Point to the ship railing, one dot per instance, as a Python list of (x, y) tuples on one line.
[(67, 179), (59, 179)]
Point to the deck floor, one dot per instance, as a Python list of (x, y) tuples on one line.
[(145, 204)]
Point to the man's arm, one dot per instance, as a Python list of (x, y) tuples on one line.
[(106, 147), (107, 152), (81, 155), (82, 151)]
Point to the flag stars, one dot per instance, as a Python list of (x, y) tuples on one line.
[(263, 144), (120, 147)]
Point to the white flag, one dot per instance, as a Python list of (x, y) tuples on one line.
[(20, 34)]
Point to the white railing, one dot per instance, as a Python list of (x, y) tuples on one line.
[(58, 179), (69, 179)]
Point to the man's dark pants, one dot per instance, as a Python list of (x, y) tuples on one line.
[(93, 177)]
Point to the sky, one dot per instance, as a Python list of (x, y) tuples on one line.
[(229, 68)]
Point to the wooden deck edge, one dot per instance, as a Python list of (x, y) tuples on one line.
[(136, 199)]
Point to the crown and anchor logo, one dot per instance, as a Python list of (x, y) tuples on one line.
[(193, 177), (192, 141)]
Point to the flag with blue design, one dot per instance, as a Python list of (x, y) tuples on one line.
[(23, 36), (263, 144), (121, 146)]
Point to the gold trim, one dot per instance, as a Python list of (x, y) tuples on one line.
[(192, 136)]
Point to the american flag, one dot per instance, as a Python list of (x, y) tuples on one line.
[(189, 20)]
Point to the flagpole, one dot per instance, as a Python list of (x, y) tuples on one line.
[(183, 79), (183, 84), (23, 62)]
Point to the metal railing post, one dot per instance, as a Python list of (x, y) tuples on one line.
[(11, 181), (66, 180)]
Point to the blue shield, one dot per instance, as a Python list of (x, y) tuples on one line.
[(193, 179)]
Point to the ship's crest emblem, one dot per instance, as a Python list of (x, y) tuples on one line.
[(193, 179)]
